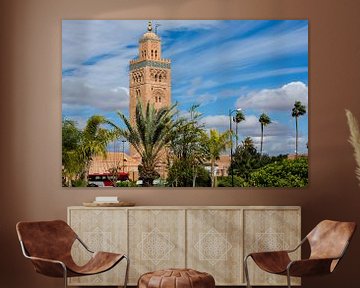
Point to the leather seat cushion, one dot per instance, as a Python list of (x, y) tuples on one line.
[(176, 278)]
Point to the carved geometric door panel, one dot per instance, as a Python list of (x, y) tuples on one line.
[(156, 240), (270, 230), (214, 244), (209, 239), (101, 230)]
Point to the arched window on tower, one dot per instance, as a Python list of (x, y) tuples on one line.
[(156, 99), (160, 78), (159, 99), (152, 53), (155, 54), (156, 77)]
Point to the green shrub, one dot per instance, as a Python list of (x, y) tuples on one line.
[(226, 181), (79, 183), (286, 173), (126, 183)]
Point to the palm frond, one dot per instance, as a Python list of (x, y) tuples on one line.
[(354, 140)]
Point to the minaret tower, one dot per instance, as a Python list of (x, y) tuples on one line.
[(150, 76)]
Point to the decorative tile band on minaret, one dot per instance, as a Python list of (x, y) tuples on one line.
[(149, 76)]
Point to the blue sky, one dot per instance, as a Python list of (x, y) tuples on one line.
[(256, 65)]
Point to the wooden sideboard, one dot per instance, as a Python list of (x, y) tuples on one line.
[(212, 239)]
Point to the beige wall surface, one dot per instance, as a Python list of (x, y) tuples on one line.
[(30, 111)]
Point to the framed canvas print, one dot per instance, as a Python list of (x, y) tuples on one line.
[(185, 103)]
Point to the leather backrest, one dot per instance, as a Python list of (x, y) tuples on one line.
[(46, 239), (329, 238)]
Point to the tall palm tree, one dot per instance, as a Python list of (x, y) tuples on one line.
[(298, 110), (214, 144), (149, 136), (264, 120), (239, 117), (94, 141)]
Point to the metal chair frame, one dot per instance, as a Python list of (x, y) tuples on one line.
[(288, 276), (23, 249)]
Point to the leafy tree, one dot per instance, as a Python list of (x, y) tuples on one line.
[(247, 159), (150, 135), (80, 146), (94, 141), (215, 143), (239, 117), (71, 138), (286, 173), (297, 111), (264, 120), (186, 151), (181, 175)]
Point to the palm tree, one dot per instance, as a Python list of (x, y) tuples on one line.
[(214, 144), (94, 141), (264, 120), (149, 136), (71, 166), (239, 117), (297, 111)]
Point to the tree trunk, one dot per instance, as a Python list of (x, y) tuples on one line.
[(296, 140), (212, 173), (194, 176), (262, 138), (84, 176), (236, 135)]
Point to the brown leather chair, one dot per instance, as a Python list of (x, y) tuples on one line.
[(48, 245), (328, 242)]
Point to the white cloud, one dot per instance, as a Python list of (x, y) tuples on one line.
[(278, 138), (249, 127), (220, 122), (77, 93), (210, 55), (239, 53), (278, 99)]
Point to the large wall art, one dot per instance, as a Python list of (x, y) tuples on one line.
[(185, 103)]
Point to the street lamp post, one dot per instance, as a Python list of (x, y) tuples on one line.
[(231, 143), (123, 154)]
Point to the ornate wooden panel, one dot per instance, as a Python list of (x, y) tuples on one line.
[(101, 230), (214, 241), (156, 240), (269, 230), (210, 239)]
